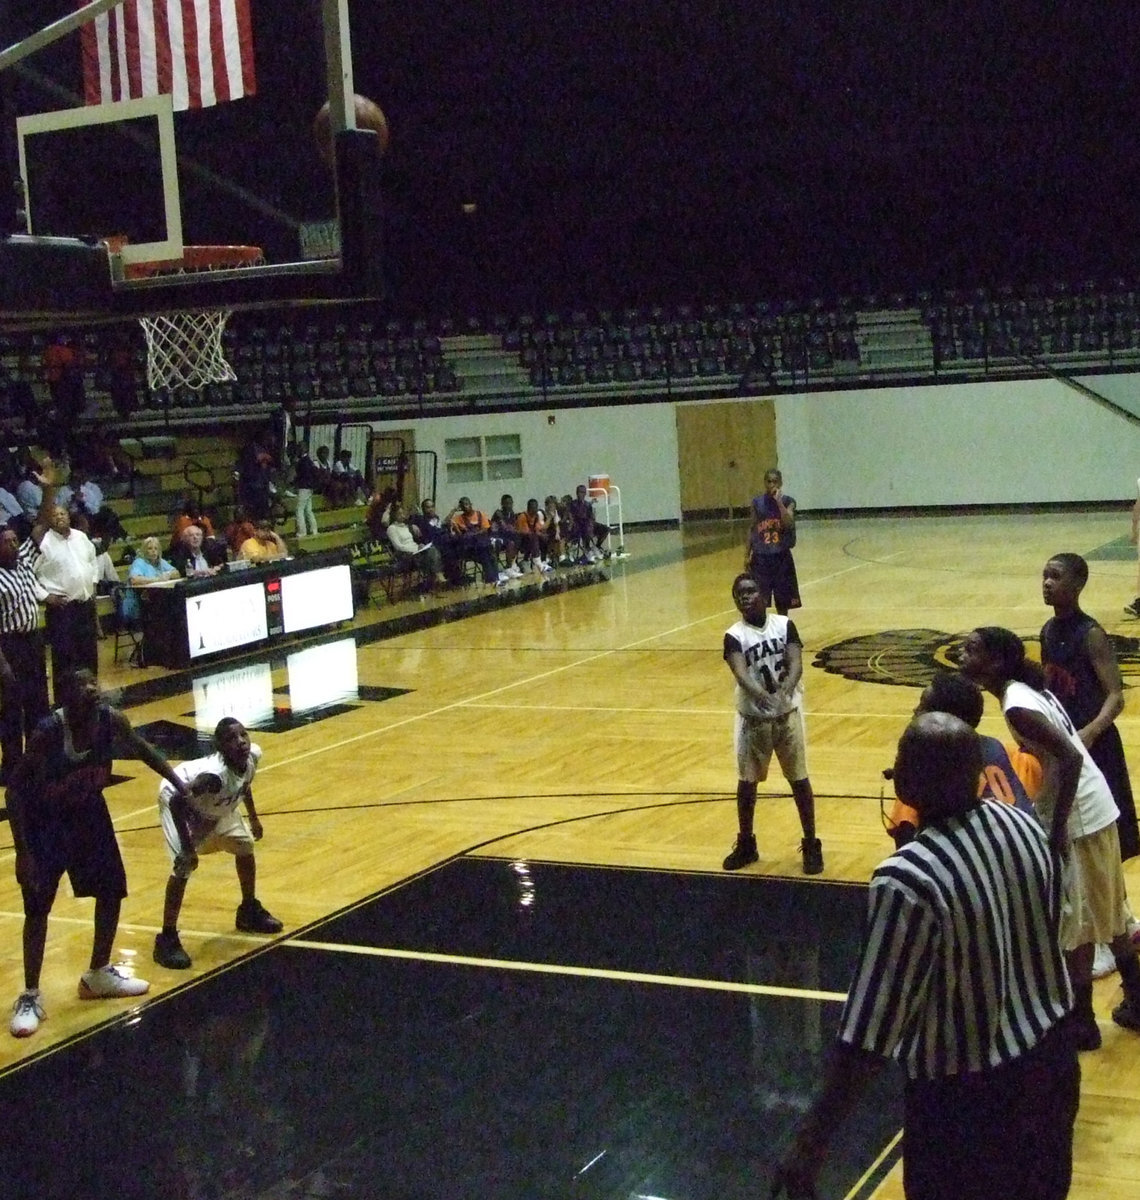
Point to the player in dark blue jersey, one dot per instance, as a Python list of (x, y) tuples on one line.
[(60, 823)]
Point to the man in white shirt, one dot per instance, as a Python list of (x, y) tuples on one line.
[(66, 567)]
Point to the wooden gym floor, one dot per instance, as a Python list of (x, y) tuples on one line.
[(512, 965)]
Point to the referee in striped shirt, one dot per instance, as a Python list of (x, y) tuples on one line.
[(962, 981), (23, 672)]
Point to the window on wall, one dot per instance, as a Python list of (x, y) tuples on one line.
[(479, 459)]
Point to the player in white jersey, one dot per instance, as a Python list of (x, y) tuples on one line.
[(765, 655), (210, 820), (1079, 814)]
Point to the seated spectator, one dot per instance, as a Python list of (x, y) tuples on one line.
[(588, 531), (266, 545), (148, 567), (11, 511), (429, 528), (29, 489), (505, 535), (103, 459), (189, 556), (349, 479), (472, 530), (191, 514), (380, 506), (423, 556), (324, 468), (239, 530), (532, 532), (555, 546), (103, 524)]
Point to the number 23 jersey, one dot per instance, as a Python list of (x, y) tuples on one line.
[(765, 650)]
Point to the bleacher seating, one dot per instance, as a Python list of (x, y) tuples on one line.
[(346, 360)]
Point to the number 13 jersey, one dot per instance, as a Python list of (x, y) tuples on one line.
[(765, 650)]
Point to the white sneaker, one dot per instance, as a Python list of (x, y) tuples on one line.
[(545, 566), (512, 572), (594, 556), (1103, 961), (536, 565), (110, 981), (27, 1013), (501, 582)]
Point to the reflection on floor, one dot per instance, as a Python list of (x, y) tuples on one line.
[(489, 1029)]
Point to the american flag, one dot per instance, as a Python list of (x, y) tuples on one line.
[(198, 51)]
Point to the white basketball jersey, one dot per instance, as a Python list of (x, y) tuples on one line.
[(765, 650)]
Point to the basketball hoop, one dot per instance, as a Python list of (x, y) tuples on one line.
[(184, 348)]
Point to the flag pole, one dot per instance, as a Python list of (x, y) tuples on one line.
[(54, 31)]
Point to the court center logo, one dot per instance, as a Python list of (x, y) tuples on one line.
[(912, 657)]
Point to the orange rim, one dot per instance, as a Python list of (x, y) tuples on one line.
[(198, 258)]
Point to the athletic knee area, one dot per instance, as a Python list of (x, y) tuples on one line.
[(184, 866)]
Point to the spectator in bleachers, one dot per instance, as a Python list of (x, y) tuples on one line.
[(266, 545), (422, 555), (380, 506), (191, 514), (238, 530), (324, 470), (472, 530), (11, 510), (147, 567), (254, 486), (104, 461), (349, 480), (189, 555), (531, 526), (29, 491), (87, 503), (505, 537)]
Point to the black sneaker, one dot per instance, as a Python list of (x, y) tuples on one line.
[(168, 952), (812, 851), (1133, 609), (1127, 1015), (743, 852), (253, 917), (1086, 1033)]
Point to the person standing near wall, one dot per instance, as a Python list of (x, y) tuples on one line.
[(770, 543)]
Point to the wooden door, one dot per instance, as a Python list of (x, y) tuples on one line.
[(386, 446), (723, 450)]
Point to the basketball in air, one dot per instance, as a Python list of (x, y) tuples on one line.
[(369, 115)]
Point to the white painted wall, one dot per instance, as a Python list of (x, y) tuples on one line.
[(1016, 442), (635, 444)]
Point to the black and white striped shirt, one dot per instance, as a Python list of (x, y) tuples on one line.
[(961, 970), (20, 593)]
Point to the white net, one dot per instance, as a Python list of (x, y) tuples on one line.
[(184, 349)]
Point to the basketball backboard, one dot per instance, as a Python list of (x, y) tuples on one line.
[(156, 174)]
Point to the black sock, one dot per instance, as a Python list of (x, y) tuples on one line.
[(1129, 967)]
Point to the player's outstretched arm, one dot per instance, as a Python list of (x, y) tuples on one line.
[(142, 749)]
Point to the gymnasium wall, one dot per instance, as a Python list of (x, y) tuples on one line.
[(1022, 442), (635, 444)]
